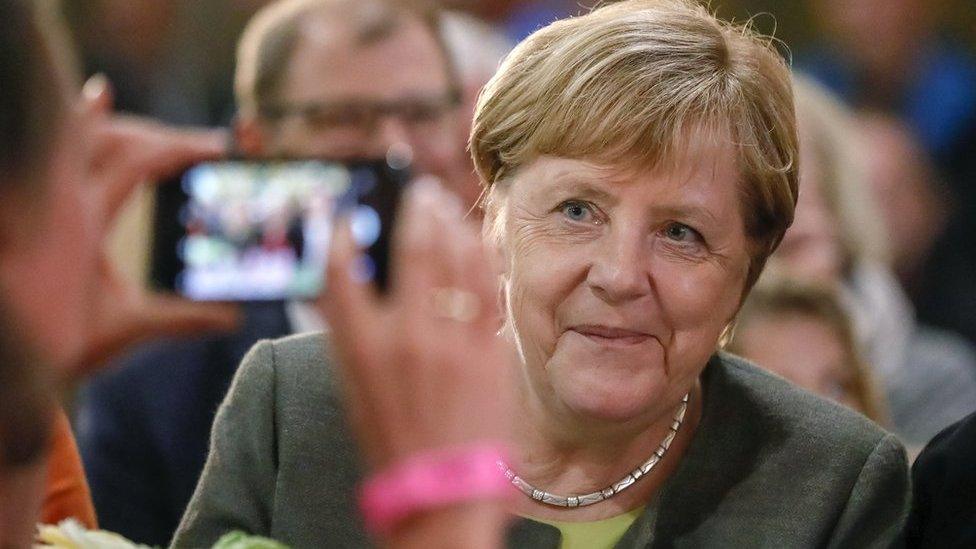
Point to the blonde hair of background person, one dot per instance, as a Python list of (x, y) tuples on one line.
[(771, 301), (838, 237), (834, 149)]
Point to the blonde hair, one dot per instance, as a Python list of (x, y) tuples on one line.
[(833, 139), (635, 82), (779, 297)]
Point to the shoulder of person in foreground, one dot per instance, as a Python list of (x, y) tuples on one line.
[(281, 462), (809, 467), (944, 480)]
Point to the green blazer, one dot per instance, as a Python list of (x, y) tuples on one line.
[(770, 466)]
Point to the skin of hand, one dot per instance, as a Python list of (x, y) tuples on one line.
[(127, 152), (414, 380)]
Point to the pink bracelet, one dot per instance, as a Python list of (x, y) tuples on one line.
[(430, 480)]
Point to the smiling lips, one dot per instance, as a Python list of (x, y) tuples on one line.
[(607, 335)]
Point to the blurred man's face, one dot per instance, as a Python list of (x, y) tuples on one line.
[(340, 99)]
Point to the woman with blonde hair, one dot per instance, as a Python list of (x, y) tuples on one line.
[(928, 376), (639, 165)]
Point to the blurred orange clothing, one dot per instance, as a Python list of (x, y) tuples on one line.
[(67, 494)]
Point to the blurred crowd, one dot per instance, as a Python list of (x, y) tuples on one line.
[(870, 299)]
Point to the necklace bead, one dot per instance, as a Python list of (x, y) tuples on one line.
[(583, 500)]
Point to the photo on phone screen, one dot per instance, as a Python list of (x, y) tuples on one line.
[(255, 231)]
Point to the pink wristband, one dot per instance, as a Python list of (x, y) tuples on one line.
[(432, 479)]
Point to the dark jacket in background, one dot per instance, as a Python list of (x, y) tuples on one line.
[(143, 426), (944, 479)]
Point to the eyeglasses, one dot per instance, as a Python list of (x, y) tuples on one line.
[(414, 113)]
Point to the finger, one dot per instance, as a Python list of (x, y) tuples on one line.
[(451, 242), (355, 318), (173, 316), (132, 151), (415, 249), (98, 95), (349, 303), (170, 149), (165, 316)]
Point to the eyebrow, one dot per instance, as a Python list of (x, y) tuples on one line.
[(572, 184), (686, 211)]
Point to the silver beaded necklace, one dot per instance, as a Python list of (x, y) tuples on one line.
[(610, 491)]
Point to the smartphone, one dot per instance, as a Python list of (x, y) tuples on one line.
[(261, 230)]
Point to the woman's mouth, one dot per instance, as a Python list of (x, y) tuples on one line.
[(609, 335)]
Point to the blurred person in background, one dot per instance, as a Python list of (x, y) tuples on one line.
[(913, 203), (322, 78), (837, 239), (890, 56), (803, 333)]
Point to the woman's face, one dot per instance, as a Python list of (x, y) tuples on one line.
[(619, 284)]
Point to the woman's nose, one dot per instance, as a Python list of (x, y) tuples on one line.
[(619, 272)]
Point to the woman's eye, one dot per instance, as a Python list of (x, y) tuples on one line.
[(577, 211), (680, 232)]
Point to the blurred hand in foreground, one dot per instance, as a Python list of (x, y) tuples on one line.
[(422, 368), (125, 153)]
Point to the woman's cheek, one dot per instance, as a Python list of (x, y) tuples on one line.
[(699, 297)]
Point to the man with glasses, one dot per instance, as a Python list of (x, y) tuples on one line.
[(322, 78), (345, 79)]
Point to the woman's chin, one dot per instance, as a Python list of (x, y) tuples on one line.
[(606, 400), (613, 387)]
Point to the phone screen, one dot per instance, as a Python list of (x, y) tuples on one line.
[(254, 231)]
